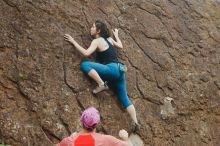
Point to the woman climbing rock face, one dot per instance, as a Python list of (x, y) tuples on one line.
[(107, 69)]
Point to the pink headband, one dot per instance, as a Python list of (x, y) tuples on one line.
[(90, 117)]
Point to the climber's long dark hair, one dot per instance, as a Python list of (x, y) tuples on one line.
[(104, 32)]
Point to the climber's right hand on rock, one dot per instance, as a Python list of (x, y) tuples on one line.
[(123, 134)]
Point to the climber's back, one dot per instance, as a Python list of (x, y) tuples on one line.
[(92, 139)]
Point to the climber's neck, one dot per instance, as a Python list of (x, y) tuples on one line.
[(97, 36)]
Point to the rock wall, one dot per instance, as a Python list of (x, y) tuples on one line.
[(171, 48)]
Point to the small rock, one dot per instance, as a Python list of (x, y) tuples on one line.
[(167, 109), (204, 78)]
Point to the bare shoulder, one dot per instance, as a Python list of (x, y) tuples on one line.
[(99, 40), (95, 40)]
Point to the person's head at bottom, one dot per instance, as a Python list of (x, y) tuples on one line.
[(90, 118)]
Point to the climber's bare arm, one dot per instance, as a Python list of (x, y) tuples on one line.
[(118, 42), (85, 52)]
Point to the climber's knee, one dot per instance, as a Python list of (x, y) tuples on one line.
[(85, 66)]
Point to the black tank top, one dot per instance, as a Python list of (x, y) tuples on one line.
[(107, 56)]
